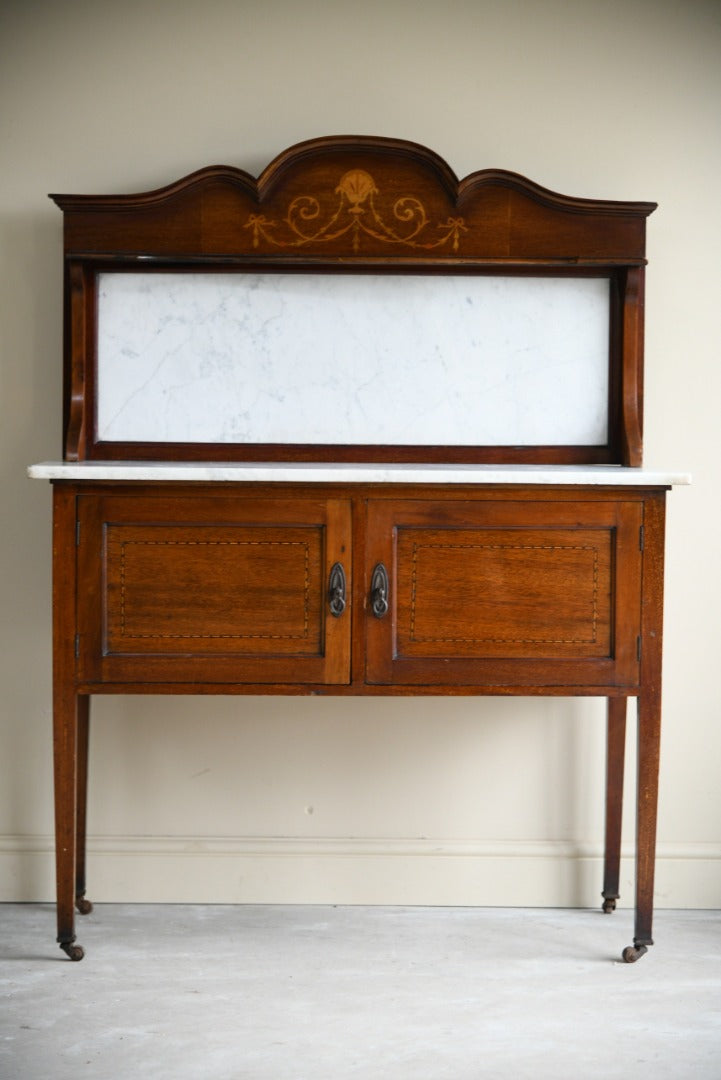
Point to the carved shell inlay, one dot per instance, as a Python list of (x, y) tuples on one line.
[(356, 185)]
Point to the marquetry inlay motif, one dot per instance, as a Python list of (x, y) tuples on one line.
[(357, 208)]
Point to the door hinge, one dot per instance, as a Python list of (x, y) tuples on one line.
[(638, 648), (640, 538), (77, 533), (77, 646)]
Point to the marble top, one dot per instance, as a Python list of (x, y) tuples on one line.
[(263, 472)]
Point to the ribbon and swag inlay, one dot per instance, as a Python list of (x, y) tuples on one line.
[(356, 211)]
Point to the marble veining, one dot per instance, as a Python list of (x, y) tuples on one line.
[(317, 358)]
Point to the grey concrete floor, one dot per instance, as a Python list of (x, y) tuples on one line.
[(325, 993)]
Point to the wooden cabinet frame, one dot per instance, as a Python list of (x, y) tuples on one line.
[(358, 577)]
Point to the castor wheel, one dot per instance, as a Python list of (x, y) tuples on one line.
[(75, 952), (632, 953), (83, 906), (609, 905)]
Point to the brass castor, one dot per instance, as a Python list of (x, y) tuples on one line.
[(632, 953), (84, 906), (609, 905), (75, 952)]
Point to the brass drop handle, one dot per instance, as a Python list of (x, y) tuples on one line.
[(379, 591), (337, 590)]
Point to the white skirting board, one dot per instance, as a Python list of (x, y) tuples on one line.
[(229, 870)]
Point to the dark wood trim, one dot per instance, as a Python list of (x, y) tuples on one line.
[(357, 453)]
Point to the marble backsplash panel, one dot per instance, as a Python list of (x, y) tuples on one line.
[(352, 358)]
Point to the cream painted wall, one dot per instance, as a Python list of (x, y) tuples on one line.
[(463, 801)]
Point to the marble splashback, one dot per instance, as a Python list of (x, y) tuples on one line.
[(352, 358)]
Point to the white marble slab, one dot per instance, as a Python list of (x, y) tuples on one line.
[(332, 359), (260, 472)]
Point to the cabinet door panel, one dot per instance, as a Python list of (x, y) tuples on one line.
[(174, 589), (239, 589), (523, 592), (498, 593)]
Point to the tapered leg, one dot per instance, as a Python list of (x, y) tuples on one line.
[(649, 726), (649, 739), (83, 710), (66, 714), (65, 745), (615, 753)]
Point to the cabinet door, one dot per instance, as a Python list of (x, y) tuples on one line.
[(499, 593), (211, 589)]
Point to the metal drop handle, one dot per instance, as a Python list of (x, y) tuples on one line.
[(379, 591), (337, 590)]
